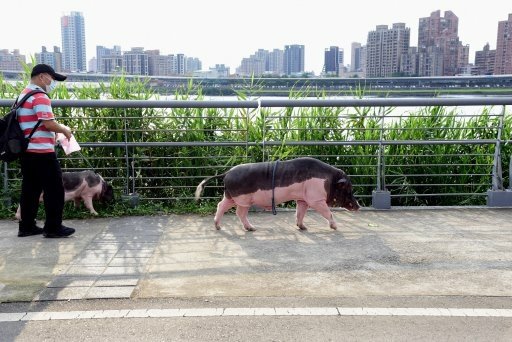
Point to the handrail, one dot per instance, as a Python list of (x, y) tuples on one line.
[(290, 143), (265, 102)]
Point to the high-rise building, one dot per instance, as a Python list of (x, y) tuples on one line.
[(293, 63), (54, 59), (180, 64), (262, 62), (463, 59), (503, 64), (385, 48), (108, 60), (136, 62), (484, 61), (275, 62), (333, 58), (409, 62), (92, 66), (73, 43), (192, 64), (438, 43), (159, 65), (251, 67), (169, 65), (355, 60), (364, 52)]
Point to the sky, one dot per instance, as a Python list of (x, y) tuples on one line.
[(225, 31)]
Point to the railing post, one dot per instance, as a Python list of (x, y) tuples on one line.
[(497, 179), (126, 152), (497, 196), (380, 166), (510, 173), (381, 198), (258, 113), (130, 198)]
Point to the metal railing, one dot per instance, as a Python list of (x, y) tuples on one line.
[(139, 146)]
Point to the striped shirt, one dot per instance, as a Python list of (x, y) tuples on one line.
[(37, 107)]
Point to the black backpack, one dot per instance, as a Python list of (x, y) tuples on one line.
[(12, 139)]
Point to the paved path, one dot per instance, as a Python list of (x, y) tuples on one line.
[(398, 252)]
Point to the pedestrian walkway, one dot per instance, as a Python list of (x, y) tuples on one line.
[(397, 252)]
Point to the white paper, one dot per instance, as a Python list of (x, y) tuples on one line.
[(69, 146)]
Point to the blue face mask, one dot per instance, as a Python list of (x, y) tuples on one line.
[(51, 86)]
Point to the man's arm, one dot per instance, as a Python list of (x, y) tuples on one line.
[(56, 127)]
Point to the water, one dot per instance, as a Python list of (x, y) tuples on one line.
[(466, 111)]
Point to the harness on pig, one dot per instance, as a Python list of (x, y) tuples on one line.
[(273, 187)]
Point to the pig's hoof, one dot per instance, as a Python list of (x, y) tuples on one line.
[(302, 227), (333, 227), (217, 227), (250, 229)]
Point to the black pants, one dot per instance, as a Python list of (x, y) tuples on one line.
[(41, 172)]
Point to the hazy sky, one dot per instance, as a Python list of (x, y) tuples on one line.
[(225, 31)]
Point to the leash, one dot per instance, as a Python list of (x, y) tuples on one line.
[(273, 187), (86, 160), (81, 155)]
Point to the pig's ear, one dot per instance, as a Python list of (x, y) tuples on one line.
[(341, 182)]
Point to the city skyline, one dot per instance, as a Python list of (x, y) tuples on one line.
[(217, 34)]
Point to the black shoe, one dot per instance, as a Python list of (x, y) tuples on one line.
[(34, 231), (62, 232)]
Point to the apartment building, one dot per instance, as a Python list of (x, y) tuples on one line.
[(12, 61), (441, 53), (384, 49), (333, 58), (484, 61), (136, 62), (52, 58), (73, 43), (262, 62), (503, 62), (293, 62), (108, 60), (275, 62), (355, 57)]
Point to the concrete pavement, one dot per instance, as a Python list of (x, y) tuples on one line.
[(397, 252)]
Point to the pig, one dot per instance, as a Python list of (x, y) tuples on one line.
[(84, 185), (308, 181)]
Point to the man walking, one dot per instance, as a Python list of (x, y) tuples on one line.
[(39, 165)]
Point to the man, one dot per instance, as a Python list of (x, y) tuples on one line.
[(39, 165)]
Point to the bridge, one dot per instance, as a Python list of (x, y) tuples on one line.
[(425, 86)]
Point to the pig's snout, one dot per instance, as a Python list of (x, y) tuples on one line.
[(352, 205)]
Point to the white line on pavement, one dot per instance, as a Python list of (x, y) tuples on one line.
[(226, 312)]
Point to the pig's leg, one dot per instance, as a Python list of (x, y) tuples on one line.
[(18, 213), (222, 207), (68, 196), (242, 212), (77, 202), (88, 204), (322, 208), (300, 212)]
